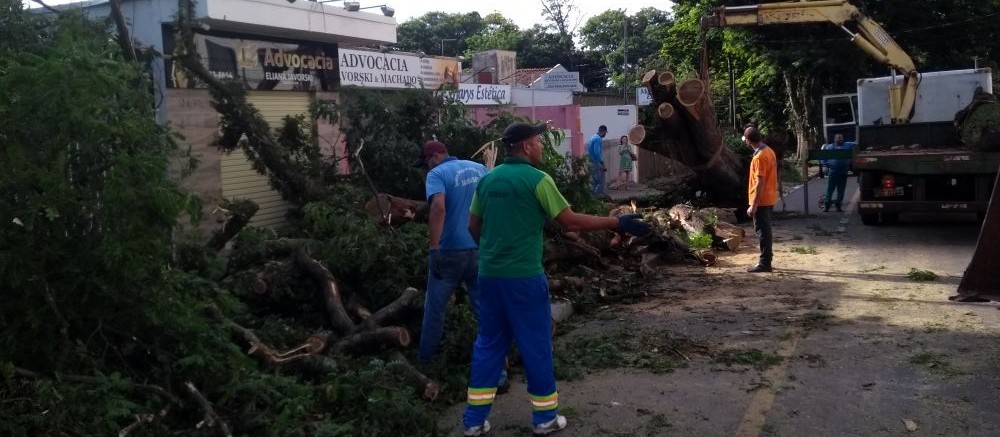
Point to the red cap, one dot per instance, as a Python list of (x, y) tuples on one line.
[(431, 147)]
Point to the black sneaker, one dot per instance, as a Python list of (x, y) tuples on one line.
[(759, 268)]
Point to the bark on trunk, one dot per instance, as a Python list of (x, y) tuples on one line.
[(396, 210), (328, 289), (392, 311), (427, 388), (801, 93), (375, 339), (242, 211), (687, 131)]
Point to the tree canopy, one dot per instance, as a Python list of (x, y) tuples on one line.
[(780, 72)]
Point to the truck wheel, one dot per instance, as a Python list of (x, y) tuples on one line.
[(869, 218), (890, 218)]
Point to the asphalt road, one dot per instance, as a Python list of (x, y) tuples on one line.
[(864, 349)]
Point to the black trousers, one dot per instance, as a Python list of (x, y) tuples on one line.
[(762, 227)]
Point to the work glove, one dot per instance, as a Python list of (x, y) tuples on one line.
[(434, 260), (633, 224)]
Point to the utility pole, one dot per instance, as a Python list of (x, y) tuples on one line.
[(625, 56)]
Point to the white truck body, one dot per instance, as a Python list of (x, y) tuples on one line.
[(940, 94)]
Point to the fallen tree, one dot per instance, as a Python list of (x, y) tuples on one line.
[(687, 131)]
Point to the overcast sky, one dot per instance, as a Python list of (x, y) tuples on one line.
[(525, 13)]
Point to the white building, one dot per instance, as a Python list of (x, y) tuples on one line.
[(286, 52)]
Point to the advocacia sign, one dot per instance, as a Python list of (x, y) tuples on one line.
[(259, 64), (386, 70), (473, 94)]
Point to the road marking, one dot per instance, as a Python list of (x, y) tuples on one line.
[(755, 416)]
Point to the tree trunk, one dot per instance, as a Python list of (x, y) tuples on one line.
[(802, 97), (687, 131), (329, 291), (242, 211)]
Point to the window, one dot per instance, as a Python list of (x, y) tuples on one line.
[(839, 110)]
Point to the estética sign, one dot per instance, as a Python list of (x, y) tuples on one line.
[(473, 94), (386, 70)]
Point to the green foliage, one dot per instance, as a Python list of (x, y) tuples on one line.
[(936, 364), (499, 33), (104, 297), (626, 43), (754, 358), (654, 350), (699, 240), (921, 275), (804, 250), (393, 125), (570, 175), (371, 261), (439, 33)]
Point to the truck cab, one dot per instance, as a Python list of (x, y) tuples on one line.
[(840, 116)]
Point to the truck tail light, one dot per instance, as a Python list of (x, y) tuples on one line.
[(888, 182)]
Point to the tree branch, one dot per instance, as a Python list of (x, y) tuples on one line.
[(66, 343), (124, 38), (210, 418), (392, 310), (48, 8), (142, 419), (329, 290), (242, 211), (25, 373)]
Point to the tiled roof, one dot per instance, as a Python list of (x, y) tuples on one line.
[(525, 76)]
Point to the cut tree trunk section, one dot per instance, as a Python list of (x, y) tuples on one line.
[(687, 131)]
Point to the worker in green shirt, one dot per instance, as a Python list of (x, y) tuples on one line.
[(509, 209)]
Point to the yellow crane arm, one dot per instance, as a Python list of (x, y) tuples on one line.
[(870, 38)]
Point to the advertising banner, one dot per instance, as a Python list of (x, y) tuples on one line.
[(565, 81), (259, 64), (472, 94), (374, 69), (642, 96)]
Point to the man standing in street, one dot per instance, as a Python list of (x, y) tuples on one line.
[(595, 150), (509, 211), (453, 257), (837, 170), (763, 194)]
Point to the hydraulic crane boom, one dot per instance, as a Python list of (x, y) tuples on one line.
[(869, 37)]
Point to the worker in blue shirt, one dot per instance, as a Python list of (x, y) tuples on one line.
[(595, 148), (837, 170)]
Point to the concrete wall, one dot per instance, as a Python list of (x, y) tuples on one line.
[(192, 116), (618, 119), (529, 97), (566, 118)]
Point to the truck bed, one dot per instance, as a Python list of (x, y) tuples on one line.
[(928, 161)]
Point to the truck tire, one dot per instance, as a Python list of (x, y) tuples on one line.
[(869, 218)]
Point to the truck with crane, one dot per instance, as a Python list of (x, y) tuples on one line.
[(909, 155)]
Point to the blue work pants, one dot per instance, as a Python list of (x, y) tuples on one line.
[(837, 182), (515, 309)]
